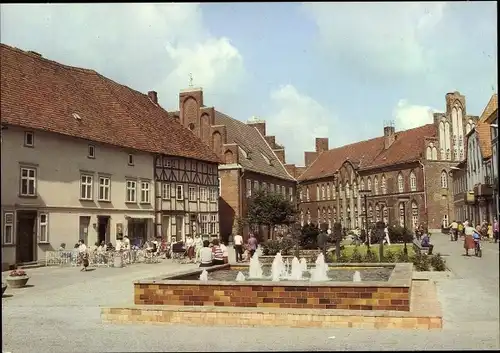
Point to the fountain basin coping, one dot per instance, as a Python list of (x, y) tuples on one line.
[(401, 276)]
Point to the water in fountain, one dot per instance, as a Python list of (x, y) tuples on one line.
[(255, 270), (296, 274), (287, 268), (277, 268), (356, 277), (204, 276), (320, 271), (303, 264), (240, 277)]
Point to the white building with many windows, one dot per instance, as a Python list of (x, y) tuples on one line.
[(78, 161)]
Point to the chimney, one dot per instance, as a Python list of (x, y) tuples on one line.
[(309, 158), (271, 140), (389, 134), (280, 153), (258, 124), (153, 96), (321, 144)]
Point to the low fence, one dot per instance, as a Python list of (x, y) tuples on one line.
[(100, 259)]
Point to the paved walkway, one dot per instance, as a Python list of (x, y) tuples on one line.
[(60, 313)]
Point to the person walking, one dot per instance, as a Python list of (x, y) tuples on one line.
[(454, 230), (468, 240), (322, 240), (495, 230), (238, 247), (252, 244), (386, 235)]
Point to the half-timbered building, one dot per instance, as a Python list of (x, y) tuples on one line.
[(187, 197)]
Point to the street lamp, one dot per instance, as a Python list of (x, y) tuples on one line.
[(365, 193), (404, 200)]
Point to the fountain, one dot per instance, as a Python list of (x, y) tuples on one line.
[(356, 277), (303, 264), (297, 268), (278, 269), (255, 269), (320, 271), (204, 276), (240, 277)]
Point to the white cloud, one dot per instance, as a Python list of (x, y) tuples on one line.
[(298, 119), (383, 38), (408, 116), (145, 46)]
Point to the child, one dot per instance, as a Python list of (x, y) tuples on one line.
[(246, 254)]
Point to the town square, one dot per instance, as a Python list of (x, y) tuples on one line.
[(173, 179)]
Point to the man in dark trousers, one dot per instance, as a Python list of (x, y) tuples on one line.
[(322, 239)]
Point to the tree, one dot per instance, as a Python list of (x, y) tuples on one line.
[(270, 209), (309, 236), (337, 238), (379, 233)]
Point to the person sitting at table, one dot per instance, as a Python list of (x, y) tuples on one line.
[(218, 253), (426, 243)]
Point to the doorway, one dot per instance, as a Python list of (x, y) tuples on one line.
[(179, 220), (137, 231), (84, 228), (165, 227), (103, 229), (25, 249)]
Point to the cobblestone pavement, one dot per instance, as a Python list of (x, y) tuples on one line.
[(60, 313)]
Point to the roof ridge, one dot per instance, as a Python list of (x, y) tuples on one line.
[(274, 154), (31, 54)]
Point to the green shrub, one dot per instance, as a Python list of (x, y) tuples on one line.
[(370, 256), (272, 247), (389, 256), (422, 262), (438, 263), (342, 259), (402, 257), (356, 256)]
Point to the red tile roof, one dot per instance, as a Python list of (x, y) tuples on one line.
[(408, 146), (37, 93)]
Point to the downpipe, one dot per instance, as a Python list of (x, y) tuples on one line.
[(425, 190)]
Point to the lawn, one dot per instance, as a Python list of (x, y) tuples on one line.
[(395, 248)]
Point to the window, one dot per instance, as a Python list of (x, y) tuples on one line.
[(401, 214), (300, 195), (375, 185), (414, 215), (290, 193), (43, 235), (445, 221), (328, 191), (355, 189), (29, 139), (104, 189), (347, 190), (444, 180), (256, 186), (179, 192), (203, 195), (192, 193), (340, 191), (213, 195), (401, 184), (318, 217), (91, 151), (307, 194), (165, 191), (130, 195), (308, 217), (220, 185), (213, 222), (362, 185), (130, 159), (383, 185), (145, 192), (249, 188), (317, 192), (8, 228), (28, 181), (369, 184), (334, 192), (204, 223), (323, 192), (413, 182), (86, 182)]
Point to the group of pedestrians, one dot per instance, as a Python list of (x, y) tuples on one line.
[(473, 235)]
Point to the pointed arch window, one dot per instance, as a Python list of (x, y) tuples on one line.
[(444, 180), (383, 184), (375, 185), (414, 214), (347, 190), (317, 192), (369, 184), (355, 189), (323, 192), (328, 191), (413, 181), (401, 184)]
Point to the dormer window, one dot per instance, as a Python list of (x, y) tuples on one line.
[(268, 161), (29, 139), (91, 151), (130, 159), (243, 152)]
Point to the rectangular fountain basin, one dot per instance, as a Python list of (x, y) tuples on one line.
[(184, 288)]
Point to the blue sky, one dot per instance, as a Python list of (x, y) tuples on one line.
[(336, 70)]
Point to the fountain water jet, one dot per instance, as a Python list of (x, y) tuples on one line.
[(204, 276), (356, 277), (240, 277), (255, 269), (303, 264), (320, 271), (278, 268), (296, 273)]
